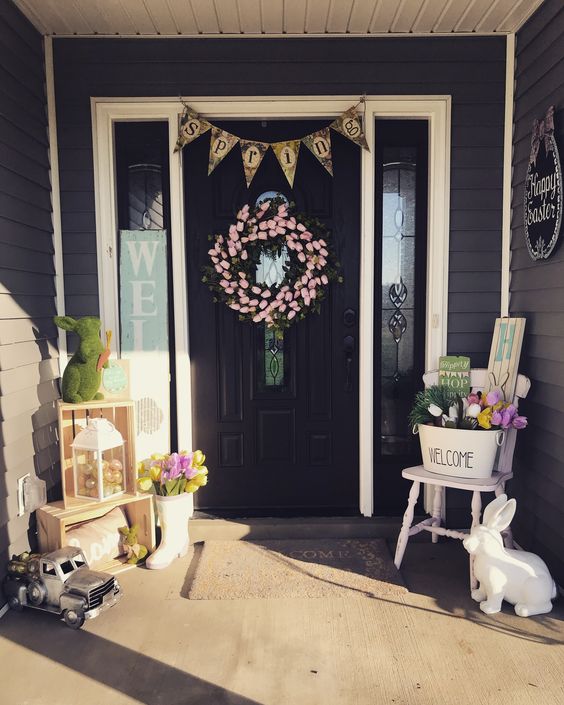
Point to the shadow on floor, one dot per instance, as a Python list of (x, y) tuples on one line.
[(129, 672), (440, 571)]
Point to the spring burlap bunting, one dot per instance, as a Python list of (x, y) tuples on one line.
[(350, 124)]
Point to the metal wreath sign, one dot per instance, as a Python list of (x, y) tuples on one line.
[(543, 190)]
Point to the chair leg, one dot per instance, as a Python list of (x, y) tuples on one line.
[(507, 534), (476, 514), (403, 537), (437, 502)]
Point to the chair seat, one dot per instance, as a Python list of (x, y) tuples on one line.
[(417, 473)]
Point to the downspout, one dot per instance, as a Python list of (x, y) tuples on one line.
[(507, 174), (55, 198)]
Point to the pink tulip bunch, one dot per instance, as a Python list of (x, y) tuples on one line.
[(270, 227)]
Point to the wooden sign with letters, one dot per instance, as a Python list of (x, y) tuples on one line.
[(505, 353)]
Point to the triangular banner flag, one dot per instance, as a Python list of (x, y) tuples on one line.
[(287, 155), (319, 143), (253, 153), (191, 127), (350, 125), (221, 144)]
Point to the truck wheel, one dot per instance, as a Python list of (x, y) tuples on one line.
[(73, 618), (15, 604), (36, 593)]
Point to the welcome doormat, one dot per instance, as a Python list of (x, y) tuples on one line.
[(235, 570)]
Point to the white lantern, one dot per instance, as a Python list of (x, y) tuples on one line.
[(98, 460)]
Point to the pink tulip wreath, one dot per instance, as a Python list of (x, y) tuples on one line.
[(268, 228)]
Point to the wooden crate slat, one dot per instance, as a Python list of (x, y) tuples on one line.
[(73, 417), (54, 520)]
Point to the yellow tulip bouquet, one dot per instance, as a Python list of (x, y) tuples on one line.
[(174, 473)]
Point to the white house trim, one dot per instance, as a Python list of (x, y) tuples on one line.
[(55, 200), (435, 109), (507, 175)]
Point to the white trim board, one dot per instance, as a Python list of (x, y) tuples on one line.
[(55, 200), (435, 109), (507, 176)]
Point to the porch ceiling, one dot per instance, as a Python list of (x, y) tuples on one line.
[(275, 17)]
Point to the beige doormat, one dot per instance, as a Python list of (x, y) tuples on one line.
[(234, 570)]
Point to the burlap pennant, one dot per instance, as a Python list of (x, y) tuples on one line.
[(287, 155), (253, 153), (191, 126), (319, 144), (221, 144), (350, 124)]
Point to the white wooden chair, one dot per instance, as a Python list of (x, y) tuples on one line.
[(496, 483)]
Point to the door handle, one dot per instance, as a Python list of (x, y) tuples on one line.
[(348, 349)]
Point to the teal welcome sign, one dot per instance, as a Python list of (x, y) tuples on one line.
[(143, 291)]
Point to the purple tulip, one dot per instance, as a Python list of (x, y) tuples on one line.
[(497, 418), (519, 422), (493, 397), (506, 418)]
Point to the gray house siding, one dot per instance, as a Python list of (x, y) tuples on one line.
[(28, 354), (472, 70), (537, 292)]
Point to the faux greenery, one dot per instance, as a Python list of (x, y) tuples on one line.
[(270, 230), (442, 397)]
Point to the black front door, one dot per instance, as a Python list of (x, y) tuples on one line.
[(278, 420)]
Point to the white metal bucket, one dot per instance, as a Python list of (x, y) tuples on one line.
[(459, 452)]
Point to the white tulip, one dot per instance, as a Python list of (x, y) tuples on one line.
[(435, 410), (473, 410)]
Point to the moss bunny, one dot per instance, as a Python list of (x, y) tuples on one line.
[(135, 551), (83, 374)]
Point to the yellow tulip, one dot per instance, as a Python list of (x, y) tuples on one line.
[(199, 458), (155, 473), (191, 486), (145, 484), (485, 418)]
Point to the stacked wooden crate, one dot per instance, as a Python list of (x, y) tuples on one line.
[(54, 520)]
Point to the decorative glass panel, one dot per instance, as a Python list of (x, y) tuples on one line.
[(270, 269), (272, 361), (398, 295), (273, 358)]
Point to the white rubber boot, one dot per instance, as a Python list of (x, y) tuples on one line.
[(173, 512)]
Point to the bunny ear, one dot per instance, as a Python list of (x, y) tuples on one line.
[(493, 507), (65, 322), (503, 516)]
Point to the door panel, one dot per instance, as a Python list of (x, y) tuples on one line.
[(278, 422)]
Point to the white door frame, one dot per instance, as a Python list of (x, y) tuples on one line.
[(435, 109)]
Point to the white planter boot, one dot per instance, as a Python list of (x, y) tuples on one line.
[(173, 512)]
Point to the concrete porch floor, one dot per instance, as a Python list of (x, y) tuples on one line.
[(432, 646)]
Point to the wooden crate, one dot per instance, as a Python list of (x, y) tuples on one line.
[(54, 520), (72, 419)]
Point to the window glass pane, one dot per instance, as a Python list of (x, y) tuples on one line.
[(49, 569), (67, 567), (272, 360), (398, 295)]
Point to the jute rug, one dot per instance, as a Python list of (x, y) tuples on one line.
[(234, 570)]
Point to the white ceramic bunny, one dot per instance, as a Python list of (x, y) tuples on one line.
[(519, 577)]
